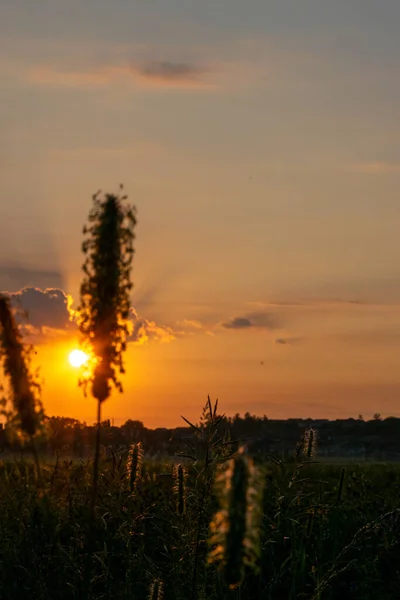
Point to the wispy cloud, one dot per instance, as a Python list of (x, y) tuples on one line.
[(377, 168), (192, 324), (154, 73), (145, 331)]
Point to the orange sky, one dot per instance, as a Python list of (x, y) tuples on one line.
[(260, 144), (340, 361)]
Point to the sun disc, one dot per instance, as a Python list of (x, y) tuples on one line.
[(77, 358)]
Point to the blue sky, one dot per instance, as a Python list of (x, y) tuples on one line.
[(260, 143)]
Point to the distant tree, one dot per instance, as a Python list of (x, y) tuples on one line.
[(131, 424), (132, 430), (360, 418), (377, 417)]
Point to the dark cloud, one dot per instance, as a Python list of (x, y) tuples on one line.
[(14, 277), (170, 71), (238, 323), (258, 320), (42, 310)]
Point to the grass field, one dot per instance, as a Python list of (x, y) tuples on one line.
[(324, 532)]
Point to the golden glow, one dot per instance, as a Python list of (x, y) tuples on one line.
[(78, 358)]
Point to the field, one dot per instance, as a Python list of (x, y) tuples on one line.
[(325, 531)]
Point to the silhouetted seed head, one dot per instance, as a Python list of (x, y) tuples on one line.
[(179, 476), (134, 465), (156, 591), (16, 363), (103, 315), (310, 439), (234, 529)]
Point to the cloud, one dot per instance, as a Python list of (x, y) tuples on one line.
[(145, 331), (258, 320), (192, 324), (165, 74), (317, 322), (336, 321), (169, 71), (48, 314), (238, 323), (377, 168), (42, 313)]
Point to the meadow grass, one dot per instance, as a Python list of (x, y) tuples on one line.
[(313, 541)]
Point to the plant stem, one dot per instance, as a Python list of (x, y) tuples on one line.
[(37, 463), (93, 496), (96, 464), (197, 552), (200, 520)]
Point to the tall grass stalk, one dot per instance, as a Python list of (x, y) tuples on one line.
[(234, 531), (134, 465), (310, 442), (156, 591), (27, 414), (103, 314), (179, 475), (104, 311), (216, 450)]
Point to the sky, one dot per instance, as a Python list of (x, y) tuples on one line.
[(259, 141)]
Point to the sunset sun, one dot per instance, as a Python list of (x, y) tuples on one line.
[(78, 358)]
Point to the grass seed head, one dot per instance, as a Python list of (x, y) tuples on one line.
[(16, 358), (156, 591), (103, 314), (179, 476), (310, 440), (134, 465), (234, 529)]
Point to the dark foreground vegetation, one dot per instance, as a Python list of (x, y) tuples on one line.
[(321, 531)]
